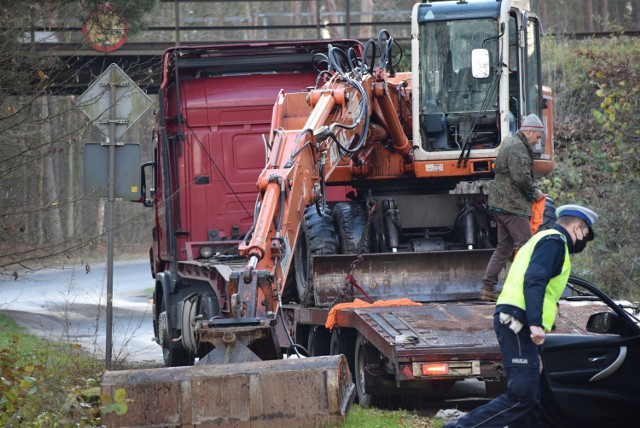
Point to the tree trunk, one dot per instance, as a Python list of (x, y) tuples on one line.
[(635, 14), (51, 212), (332, 10), (71, 188), (365, 31), (297, 13), (604, 15), (588, 16)]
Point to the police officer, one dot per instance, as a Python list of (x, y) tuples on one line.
[(525, 312)]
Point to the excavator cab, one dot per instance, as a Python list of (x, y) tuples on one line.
[(476, 74)]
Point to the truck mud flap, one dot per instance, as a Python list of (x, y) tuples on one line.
[(307, 392), (426, 276)]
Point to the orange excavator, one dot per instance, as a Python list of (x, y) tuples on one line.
[(371, 185)]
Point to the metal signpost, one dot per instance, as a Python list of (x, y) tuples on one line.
[(113, 102)]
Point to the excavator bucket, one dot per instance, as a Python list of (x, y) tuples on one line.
[(296, 393), (419, 276)]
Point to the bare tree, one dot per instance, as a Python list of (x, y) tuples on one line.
[(40, 130)]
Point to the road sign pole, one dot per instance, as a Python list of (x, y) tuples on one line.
[(112, 99), (110, 215)]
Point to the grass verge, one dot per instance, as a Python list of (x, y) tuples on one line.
[(46, 384), (359, 417), (51, 384)]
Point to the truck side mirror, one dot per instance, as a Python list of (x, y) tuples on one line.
[(480, 63), (146, 200)]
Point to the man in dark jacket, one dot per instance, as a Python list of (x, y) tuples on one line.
[(510, 198)]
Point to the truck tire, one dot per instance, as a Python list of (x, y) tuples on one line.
[(350, 220), (366, 354), (317, 237), (343, 342), (173, 354)]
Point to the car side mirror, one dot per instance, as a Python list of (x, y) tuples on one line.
[(603, 323)]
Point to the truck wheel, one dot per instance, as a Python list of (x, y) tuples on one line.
[(319, 341), (317, 237), (343, 342), (350, 221), (173, 357), (365, 355)]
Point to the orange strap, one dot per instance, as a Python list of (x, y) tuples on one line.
[(357, 303), (537, 208)]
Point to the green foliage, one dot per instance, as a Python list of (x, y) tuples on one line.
[(133, 12), (359, 417), (597, 135), (117, 404), (45, 384)]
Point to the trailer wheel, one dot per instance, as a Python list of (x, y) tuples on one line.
[(343, 342), (172, 356), (350, 221), (365, 355), (317, 237)]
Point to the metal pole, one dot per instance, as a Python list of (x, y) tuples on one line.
[(348, 13), (318, 23), (110, 213), (177, 16)]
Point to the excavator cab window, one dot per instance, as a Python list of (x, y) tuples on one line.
[(533, 72), (455, 105), (515, 100)]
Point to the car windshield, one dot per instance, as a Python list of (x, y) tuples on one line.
[(446, 79)]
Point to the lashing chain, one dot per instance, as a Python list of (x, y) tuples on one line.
[(347, 292)]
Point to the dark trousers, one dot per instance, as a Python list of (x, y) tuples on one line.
[(513, 231), (519, 405)]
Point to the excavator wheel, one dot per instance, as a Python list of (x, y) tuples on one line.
[(549, 215), (172, 353), (317, 237), (350, 220), (290, 289), (319, 341)]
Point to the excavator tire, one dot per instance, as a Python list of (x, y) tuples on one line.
[(319, 341), (549, 215), (317, 237), (294, 393), (350, 220)]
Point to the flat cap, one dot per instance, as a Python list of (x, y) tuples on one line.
[(582, 213), (532, 123)]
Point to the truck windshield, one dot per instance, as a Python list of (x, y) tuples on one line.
[(447, 84)]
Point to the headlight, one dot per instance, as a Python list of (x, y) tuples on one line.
[(206, 252)]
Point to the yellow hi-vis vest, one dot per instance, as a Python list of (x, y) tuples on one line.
[(513, 290)]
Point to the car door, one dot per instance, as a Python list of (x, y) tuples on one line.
[(593, 380)]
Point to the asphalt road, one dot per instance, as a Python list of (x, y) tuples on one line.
[(69, 304)]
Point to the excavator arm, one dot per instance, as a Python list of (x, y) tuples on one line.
[(312, 134)]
